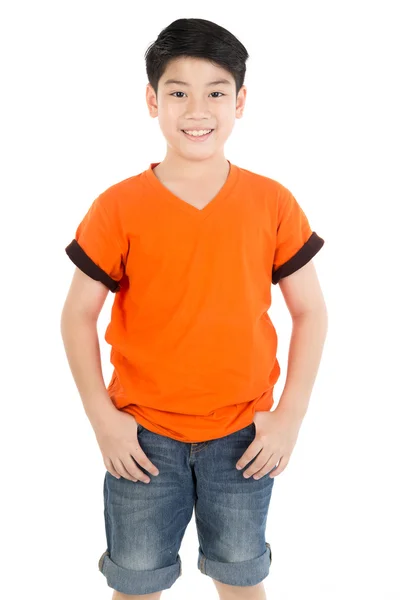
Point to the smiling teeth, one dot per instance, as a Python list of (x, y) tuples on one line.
[(198, 133)]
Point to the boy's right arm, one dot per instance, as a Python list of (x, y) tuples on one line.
[(80, 313), (116, 430)]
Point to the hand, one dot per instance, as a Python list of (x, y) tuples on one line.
[(276, 435), (118, 443)]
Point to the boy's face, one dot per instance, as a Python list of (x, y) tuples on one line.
[(196, 105)]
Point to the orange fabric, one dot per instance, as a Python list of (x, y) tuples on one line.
[(192, 344)]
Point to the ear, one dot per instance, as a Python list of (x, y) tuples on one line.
[(241, 100), (151, 101)]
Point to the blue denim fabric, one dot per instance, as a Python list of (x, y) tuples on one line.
[(145, 523)]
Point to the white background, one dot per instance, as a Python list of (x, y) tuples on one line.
[(322, 117)]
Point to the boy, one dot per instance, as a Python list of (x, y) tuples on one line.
[(190, 248)]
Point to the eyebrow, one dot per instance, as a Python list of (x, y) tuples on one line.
[(177, 82)]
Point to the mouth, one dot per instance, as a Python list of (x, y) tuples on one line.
[(197, 138)]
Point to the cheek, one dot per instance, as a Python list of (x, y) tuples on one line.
[(225, 117), (224, 125), (169, 119)]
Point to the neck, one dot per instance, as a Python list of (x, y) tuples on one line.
[(177, 166)]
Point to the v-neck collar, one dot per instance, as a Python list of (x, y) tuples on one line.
[(199, 213)]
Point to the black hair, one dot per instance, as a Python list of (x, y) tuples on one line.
[(197, 38)]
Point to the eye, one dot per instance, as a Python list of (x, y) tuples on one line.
[(220, 93)]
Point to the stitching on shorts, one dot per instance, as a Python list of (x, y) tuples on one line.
[(195, 450)]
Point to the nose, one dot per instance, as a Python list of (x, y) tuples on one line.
[(197, 108)]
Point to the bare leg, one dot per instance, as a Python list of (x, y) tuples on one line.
[(120, 596), (237, 592)]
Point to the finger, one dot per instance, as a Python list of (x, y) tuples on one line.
[(261, 464), (280, 468), (262, 472), (252, 451), (131, 471), (141, 458), (131, 466), (110, 468), (268, 467)]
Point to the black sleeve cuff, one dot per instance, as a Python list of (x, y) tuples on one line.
[(302, 257), (85, 264)]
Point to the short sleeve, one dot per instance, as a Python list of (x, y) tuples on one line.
[(296, 243), (98, 247)]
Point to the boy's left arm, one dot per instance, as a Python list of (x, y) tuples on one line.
[(277, 431)]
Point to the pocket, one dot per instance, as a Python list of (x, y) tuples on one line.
[(250, 430), (248, 427)]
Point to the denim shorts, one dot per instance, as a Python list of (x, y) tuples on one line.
[(145, 523)]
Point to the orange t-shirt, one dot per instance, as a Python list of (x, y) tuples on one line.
[(192, 344)]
